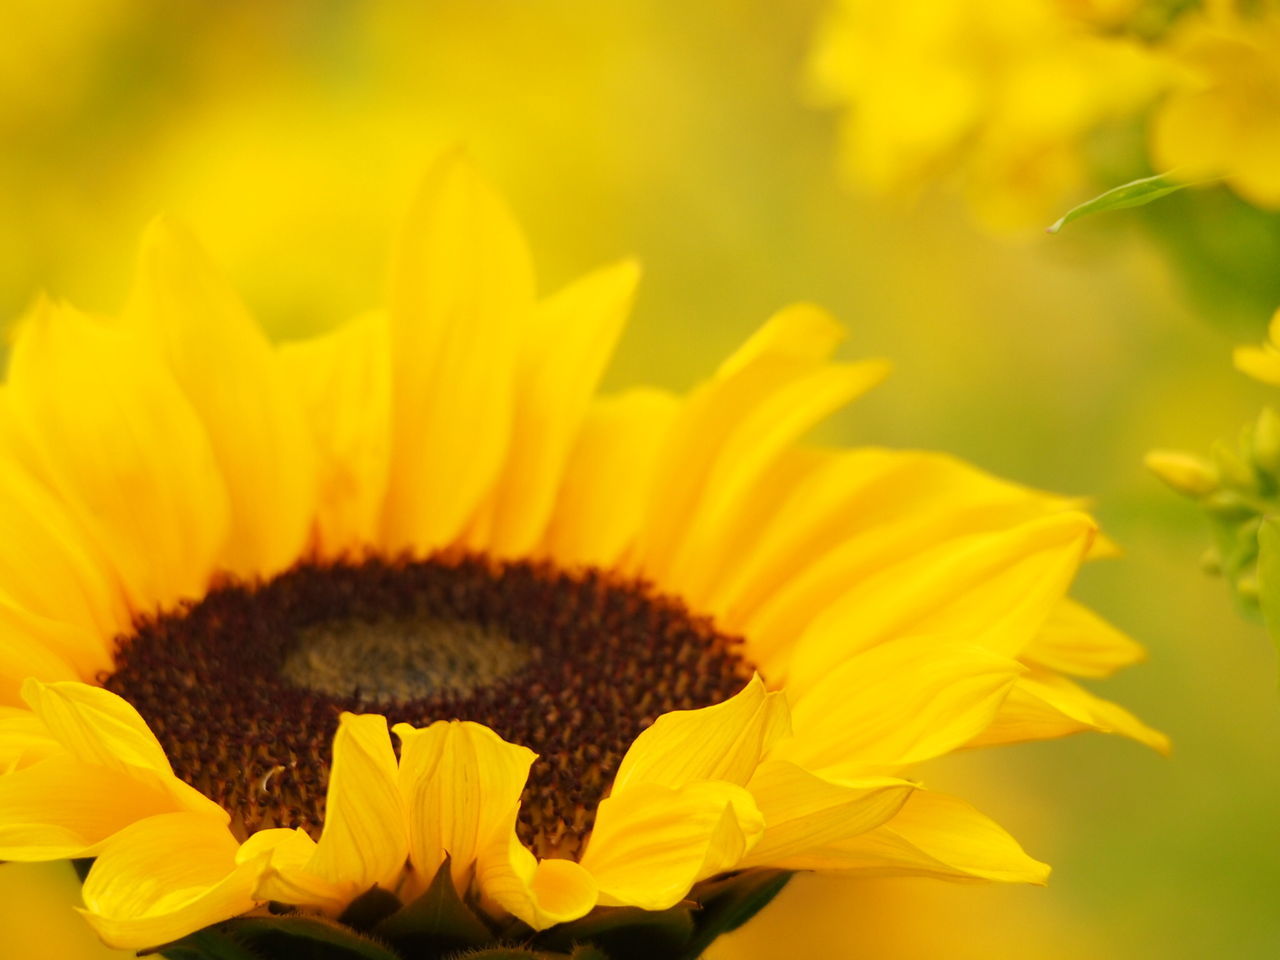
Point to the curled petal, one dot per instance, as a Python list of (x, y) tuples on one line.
[(165, 877), (652, 843)]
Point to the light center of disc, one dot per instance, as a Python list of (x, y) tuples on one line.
[(401, 659)]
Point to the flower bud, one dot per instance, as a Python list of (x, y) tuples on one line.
[(1189, 475)]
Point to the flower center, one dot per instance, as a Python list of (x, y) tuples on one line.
[(244, 688)]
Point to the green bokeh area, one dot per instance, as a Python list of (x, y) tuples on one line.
[(678, 133)]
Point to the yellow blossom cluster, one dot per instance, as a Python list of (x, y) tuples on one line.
[(1013, 98)]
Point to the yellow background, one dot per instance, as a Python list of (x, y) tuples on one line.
[(290, 135)]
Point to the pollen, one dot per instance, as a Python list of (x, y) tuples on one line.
[(244, 687)]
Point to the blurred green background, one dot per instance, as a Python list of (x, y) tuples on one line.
[(290, 135)]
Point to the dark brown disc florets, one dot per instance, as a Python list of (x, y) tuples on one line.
[(244, 688)]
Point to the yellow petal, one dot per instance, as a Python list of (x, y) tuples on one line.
[(652, 843), (163, 878), (803, 811), (600, 506), (802, 331), (728, 434), (343, 380), (24, 739), (22, 656), (853, 513), (1076, 640), (997, 590), (461, 299), (283, 858), (1261, 363), (934, 835), (59, 808), (105, 425), (570, 340), (462, 784), (897, 704), (1043, 705), (225, 367), (542, 893), (58, 574), (364, 841), (97, 727), (721, 742)]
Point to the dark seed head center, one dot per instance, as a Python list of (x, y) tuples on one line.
[(244, 688)]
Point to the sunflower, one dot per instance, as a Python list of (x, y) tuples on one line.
[(638, 653)]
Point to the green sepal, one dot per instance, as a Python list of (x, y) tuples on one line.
[(278, 938), (729, 903), (437, 921), (210, 944), (626, 933), (1136, 193), (370, 908)]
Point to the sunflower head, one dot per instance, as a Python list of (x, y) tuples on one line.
[(402, 641)]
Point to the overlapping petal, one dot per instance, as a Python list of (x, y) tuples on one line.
[(461, 301), (188, 313)]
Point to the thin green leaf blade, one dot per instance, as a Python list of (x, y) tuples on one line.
[(1136, 193)]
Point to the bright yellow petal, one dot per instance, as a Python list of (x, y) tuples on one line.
[(853, 513), (652, 843), (599, 509), (897, 704), (224, 365), (97, 727), (997, 590), (727, 436), (163, 878), (58, 574), (802, 331), (1261, 363), (105, 425), (570, 340), (721, 742), (365, 840), (934, 835), (21, 656), (542, 893), (60, 808), (1076, 640), (461, 299), (803, 811), (283, 858), (343, 380), (24, 740), (461, 783), (1043, 705)]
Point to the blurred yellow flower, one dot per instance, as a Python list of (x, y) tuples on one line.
[(1000, 96), (1222, 119), (1262, 362), (240, 563)]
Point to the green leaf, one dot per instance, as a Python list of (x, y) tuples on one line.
[(436, 921), (1136, 193), (1269, 575)]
